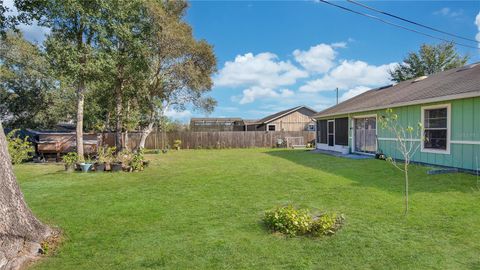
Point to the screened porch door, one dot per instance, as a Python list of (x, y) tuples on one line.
[(366, 135), (331, 132)]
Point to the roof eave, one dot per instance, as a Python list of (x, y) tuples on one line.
[(401, 104)]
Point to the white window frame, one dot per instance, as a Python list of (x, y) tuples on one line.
[(268, 125), (449, 128), (313, 127)]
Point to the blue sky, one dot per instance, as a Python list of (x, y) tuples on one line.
[(273, 55)]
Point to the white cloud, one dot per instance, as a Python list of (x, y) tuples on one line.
[(477, 22), (319, 58), (178, 115), (253, 93), (263, 70), (353, 92), (350, 74), (448, 12)]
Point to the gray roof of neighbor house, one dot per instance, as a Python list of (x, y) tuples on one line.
[(277, 115), (455, 83)]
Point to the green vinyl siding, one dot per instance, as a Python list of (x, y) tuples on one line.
[(464, 127)]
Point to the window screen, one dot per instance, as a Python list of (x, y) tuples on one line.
[(435, 129), (322, 131), (341, 131)]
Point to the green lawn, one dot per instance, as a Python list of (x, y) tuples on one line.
[(201, 209)]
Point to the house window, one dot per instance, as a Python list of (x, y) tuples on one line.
[(311, 127), (436, 128), (270, 127)]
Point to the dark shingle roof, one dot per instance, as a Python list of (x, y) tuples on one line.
[(450, 84)]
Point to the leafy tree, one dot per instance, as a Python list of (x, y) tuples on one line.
[(180, 67), (72, 44), (126, 32), (29, 96), (6, 21), (428, 60)]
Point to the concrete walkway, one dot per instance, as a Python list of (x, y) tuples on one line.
[(337, 154)]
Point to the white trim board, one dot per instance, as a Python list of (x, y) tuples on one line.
[(395, 139), (418, 140), (466, 142)]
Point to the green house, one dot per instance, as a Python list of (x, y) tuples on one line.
[(447, 103)]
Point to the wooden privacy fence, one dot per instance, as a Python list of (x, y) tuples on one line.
[(208, 140)]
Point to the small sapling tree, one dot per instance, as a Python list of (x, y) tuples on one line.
[(408, 141)]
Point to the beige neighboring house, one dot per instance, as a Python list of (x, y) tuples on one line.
[(299, 118), (294, 119)]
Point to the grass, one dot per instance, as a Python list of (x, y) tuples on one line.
[(201, 209)]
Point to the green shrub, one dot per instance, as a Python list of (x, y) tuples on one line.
[(137, 162), (125, 157), (288, 220), (110, 154), (70, 159), (292, 222), (19, 149), (177, 144), (326, 224)]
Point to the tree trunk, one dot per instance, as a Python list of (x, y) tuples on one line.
[(126, 140), (79, 131), (21, 233), (406, 188), (118, 109), (80, 92), (146, 131)]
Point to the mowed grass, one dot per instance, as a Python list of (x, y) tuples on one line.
[(202, 209)]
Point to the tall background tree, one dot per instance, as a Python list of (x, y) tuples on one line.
[(72, 44), (127, 30), (180, 67), (428, 60), (30, 97)]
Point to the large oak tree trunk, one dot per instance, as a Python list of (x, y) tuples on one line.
[(21, 233)]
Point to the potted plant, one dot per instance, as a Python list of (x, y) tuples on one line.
[(109, 157), (119, 161), (177, 144), (125, 158), (70, 159), (87, 165), (101, 159)]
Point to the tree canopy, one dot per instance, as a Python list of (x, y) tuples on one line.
[(30, 96), (123, 63), (428, 60)]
